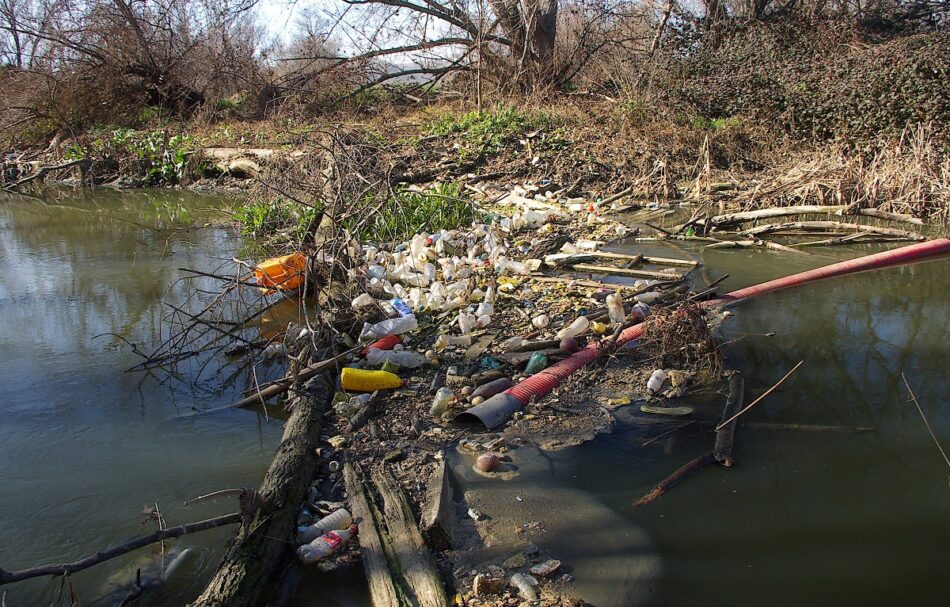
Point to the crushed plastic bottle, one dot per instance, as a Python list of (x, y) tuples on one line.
[(615, 311), (649, 297), (513, 342), (403, 358), (525, 585), (325, 545), (340, 519)]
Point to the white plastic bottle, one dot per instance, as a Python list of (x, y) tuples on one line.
[(649, 297), (615, 309), (574, 329), (541, 321), (325, 545), (656, 381), (466, 322), (444, 341), (340, 519), (362, 300)]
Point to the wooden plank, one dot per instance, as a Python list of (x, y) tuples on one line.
[(415, 560), (722, 451), (382, 590), (438, 517)]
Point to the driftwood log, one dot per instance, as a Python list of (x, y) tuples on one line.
[(830, 226), (255, 555)]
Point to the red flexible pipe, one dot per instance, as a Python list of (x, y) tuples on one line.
[(543, 382)]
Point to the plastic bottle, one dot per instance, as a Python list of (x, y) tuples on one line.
[(541, 321), (440, 403), (615, 309), (656, 381), (513, 342), (386, 343), (444, 341), (485, 309), (466, 322), (649, 297), (362, 300), (392, 326), (400, 307), (361, 380), (404, 358), (340, 519), (537, 362), (525, 586), (325, 545), (574, 329)]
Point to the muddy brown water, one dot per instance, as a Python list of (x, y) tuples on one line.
[(803, 518)]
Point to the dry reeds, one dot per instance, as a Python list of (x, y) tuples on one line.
[(910, 175)]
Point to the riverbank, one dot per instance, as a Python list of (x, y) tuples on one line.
[(588, 145)]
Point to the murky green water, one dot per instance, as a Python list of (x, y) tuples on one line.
[(83, 446), (803, 518)]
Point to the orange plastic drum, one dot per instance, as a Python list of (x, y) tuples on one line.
[(285, 273)]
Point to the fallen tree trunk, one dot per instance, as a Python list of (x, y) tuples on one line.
[(254, 557), (8, 577), (730, 219), (42, 171)]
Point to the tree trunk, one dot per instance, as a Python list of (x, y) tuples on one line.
[(254, 556)]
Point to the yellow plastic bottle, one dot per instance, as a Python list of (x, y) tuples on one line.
[(361, 380)]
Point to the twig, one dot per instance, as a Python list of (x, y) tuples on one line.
[(756, 401), (62, 569), (924, 417)]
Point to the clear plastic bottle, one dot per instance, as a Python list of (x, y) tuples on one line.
[(615, 309), (649, 297), (392, 326), (340, 519), (580, 324), (325, 545), (440, 403), (513, 342), (403, 358)]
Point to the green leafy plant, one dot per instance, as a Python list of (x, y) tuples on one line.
[(487, 132)]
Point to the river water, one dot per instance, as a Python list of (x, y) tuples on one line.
[(805, 517)]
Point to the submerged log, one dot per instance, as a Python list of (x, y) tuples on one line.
[(254, 556)]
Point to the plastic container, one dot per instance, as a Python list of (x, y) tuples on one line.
[(466, 322), (444, 341), (615, 309), (541, 321), (392, 326), (361, 380), (642, 309), (525, 585), (656, 381), (537, 362), (574, 329), (403, 358), (386, 343), (440, 403), (362, 300), (341, 519), (285, 273), (513, 342), (325, 545)]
